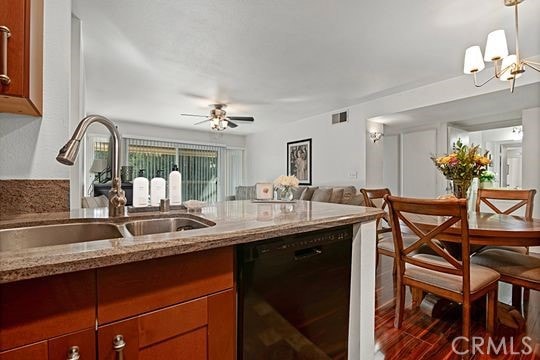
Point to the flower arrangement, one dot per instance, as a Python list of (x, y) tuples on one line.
[(287, 181), (286, 184), (462, 166)]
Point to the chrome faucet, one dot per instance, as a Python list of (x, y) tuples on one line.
[(68, 154)]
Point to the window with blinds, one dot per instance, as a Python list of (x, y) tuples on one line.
[(205, 169)]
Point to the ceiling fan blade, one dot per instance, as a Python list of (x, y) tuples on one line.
[(204, 116), (231, 124), (241, 118), (202, 122)]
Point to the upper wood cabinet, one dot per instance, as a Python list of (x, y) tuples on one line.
[(21, 56)]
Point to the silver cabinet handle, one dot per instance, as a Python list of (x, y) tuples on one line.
[(6, 33), (73, 353), (118, 345)]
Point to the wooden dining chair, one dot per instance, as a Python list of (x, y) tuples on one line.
[(523, 198), (385, 242), (519, 270), (442, 275)]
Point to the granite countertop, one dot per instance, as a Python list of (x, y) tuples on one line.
[(236, 222)]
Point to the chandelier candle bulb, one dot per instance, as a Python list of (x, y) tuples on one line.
[(496, 46), (473, 60), (510, 64)]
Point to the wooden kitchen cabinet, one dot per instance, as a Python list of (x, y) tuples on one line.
[(82, 343), (176, 307), (21, 56), (202, 329), (179, 307), (36, 351), (44, 308)]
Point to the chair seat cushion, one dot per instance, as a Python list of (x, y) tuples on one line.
[(510, 263), (386, 241), (480, 276), (518, 249)]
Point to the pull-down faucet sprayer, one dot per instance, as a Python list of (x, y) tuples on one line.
[(68, 154)]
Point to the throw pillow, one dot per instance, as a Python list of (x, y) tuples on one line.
[(298, 192), (355, 200), (337, 196), (322, 195), (348, 193), (245, 192), (308, 193)]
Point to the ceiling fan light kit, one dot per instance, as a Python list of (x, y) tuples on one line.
[(218, 118), (507, 67)]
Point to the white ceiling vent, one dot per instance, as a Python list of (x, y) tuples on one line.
[(340, 117)]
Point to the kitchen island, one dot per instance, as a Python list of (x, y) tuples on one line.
[(225, 225)]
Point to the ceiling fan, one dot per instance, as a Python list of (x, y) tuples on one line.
[(218, 118)]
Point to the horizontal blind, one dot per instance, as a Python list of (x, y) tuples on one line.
[(198, 164)]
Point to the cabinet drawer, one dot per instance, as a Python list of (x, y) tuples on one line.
[(167, 323), (39, 309), (84, 341), (29, 352), (133, 289)]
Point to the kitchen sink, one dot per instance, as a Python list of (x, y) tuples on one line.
[(61, 234), (158, 226)]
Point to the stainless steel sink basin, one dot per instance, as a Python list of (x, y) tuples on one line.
[(47, 235), (158, 226)]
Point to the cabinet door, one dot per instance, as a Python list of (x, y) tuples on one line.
[(21, 56), (14, 17), (43, 308), (31, 352), (82, 344), (222, 326)]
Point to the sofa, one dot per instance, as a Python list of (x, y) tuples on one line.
[(348, 195)]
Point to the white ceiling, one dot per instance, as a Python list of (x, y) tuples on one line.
[(279, 61)]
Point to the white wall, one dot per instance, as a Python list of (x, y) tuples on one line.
[(418, 174), (29, 145), (391, 163), (338, 150), (531, 154)]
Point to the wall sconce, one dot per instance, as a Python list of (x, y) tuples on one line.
[(517, 133), (375, 136)]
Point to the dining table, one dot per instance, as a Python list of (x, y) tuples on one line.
[(486, 229)]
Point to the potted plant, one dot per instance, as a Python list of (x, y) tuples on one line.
[(487, 178)]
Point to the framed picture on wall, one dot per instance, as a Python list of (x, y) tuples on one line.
[(299, 160)]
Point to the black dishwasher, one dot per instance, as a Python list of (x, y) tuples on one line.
[(294, 296)]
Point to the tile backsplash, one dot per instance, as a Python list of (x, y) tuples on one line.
[(33, 196)]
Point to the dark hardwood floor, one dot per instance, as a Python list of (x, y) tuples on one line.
[(424, 337)]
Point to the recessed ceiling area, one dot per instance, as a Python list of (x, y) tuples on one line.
[(499, 109), (279, 61)]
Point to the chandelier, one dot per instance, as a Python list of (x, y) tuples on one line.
[(507, 67)]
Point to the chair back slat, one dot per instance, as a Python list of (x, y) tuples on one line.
[(525, 199), (370, 195), (453, 211)]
